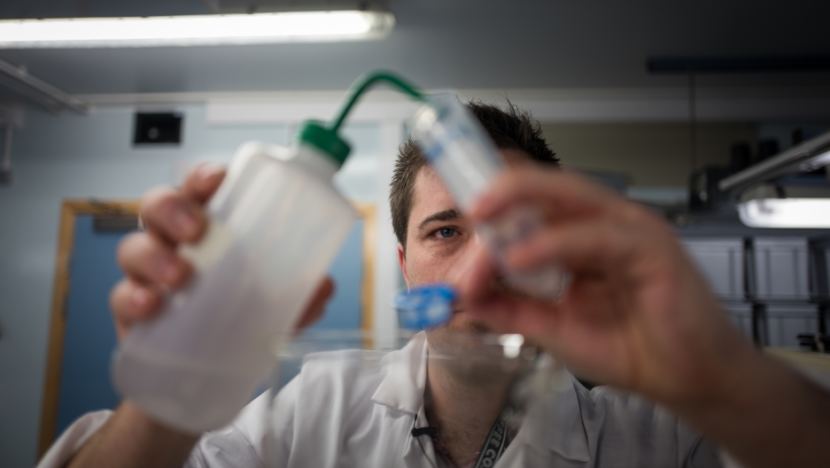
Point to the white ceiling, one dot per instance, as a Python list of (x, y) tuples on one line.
[(451, 43)]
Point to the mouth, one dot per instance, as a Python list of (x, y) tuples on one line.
[(461, 321)]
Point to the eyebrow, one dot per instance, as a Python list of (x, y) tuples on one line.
[(446, 215)]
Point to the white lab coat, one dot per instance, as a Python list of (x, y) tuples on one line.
[(353, 409)]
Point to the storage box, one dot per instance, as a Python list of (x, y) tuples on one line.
[(780, 269), (721, 260), (785, 323)]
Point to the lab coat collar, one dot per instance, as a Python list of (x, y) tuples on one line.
[(404, 377)]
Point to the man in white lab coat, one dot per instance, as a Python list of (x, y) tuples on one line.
[(637, 317)]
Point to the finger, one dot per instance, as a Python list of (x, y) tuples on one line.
[(317, 304), (132, 302), (201, 183), (556, 190), (595, 245), (173, 216), (152, 261)]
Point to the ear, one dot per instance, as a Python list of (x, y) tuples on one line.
[(402, 263)]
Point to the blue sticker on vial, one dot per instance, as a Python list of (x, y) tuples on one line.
[(425, 306)]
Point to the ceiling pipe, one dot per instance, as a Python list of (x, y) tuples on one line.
[(42, 93), (807, 156), (679, 65)]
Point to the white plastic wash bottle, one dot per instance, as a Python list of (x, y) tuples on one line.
[(275, 225), (466, 159)]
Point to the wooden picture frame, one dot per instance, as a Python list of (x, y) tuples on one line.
[(367, 287), (70, 210)]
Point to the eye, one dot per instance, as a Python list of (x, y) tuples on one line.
[(445, 232)]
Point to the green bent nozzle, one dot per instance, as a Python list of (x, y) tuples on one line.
[(326, 139)]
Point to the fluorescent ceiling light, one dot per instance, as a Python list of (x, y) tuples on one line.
[(786, 213), (816, 162), (258, 28)]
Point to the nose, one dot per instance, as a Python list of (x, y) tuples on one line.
[(477, 273)]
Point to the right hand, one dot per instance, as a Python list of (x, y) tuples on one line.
[(637, 314), (151, 264)]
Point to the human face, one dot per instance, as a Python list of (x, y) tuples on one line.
[(441, 243)]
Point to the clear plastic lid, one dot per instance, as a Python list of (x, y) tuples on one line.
[(457, 146)]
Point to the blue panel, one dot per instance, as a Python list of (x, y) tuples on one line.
[(90, 337), (344, 309)]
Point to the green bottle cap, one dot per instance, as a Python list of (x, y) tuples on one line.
[(316, 134)]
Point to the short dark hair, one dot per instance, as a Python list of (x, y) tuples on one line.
[(509, 128)]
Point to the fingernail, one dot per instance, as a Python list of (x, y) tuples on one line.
[(209, 170)]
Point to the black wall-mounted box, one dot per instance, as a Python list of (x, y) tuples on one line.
[(157, 128)]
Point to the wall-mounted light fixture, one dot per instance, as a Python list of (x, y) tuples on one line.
[(218, 29)]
